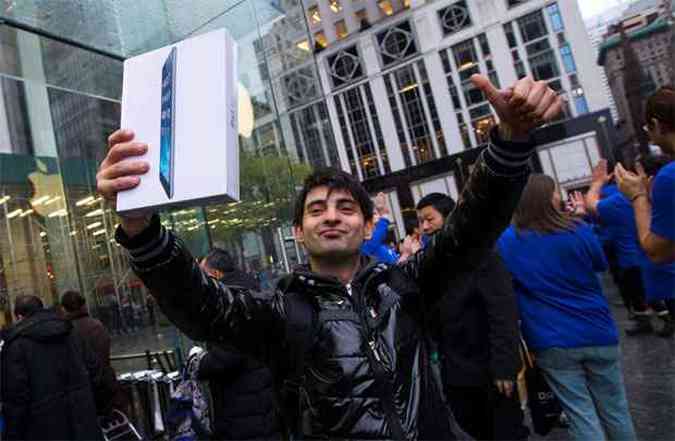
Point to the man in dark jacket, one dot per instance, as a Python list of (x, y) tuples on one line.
[(48, 378), (96, 337), (476, 327), (241, 387), (356, 330)]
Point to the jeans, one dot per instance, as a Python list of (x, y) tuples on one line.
[(589, 384)]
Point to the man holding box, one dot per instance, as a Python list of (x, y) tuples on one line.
[(348, 336)]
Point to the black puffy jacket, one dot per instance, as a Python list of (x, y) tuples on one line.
[(49, 378), (476, 326), (367, 373), (243, 396), (242, 388)]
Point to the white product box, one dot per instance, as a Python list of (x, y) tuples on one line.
[(182, 101)]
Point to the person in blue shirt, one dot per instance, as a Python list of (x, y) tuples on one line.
[(565, 319), (616, 214), (655, 216), (659, 279), (376, 246)]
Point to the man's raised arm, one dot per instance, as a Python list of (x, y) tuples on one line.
[(197, 304), (494, 187)]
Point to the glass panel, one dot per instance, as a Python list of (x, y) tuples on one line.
[(455, 17), (532, 26), (556, 18), (386, 7), (335, 5), (544, 66), (314, 15), (415, 116), (568, 59), (510, 35), (55, 234), (341, 29)]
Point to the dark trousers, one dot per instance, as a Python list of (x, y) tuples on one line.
[(632, 290), (670, 306), (485, 414)]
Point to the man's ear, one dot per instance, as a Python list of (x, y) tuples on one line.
[(369, 226), (298, 233), (657, 125)]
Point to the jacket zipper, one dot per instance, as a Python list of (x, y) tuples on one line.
[(377, 366)]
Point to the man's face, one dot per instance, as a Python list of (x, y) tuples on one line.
[(210, 271), (333, 225), (430, 220), (657, 135)]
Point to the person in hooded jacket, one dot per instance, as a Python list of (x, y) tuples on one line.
[(241, 387), (356, 330), (476, 328), (96, 336), (48, 379)]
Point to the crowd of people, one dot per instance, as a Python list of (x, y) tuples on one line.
[(346, 346)]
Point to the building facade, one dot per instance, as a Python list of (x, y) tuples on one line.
[(397, 73), (597, 28), (647, 28)]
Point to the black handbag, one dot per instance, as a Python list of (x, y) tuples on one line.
[(545, 407)]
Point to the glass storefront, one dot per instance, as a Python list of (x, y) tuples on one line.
[(58, 104)]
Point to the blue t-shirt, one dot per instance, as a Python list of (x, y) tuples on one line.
[(658, 280), (616, 214), (608, 189), (601, 230), (375, 246), (559, 295), (663, 203)]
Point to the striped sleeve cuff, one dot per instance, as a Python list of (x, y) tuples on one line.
[(506, 158), (149, 247)]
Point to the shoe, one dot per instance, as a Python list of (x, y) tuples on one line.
[(668, 329), (642, 326)]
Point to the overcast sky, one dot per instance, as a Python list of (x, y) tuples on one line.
[(589, 8)]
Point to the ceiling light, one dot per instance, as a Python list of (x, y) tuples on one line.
[(26, 213), (409, 87), (59, 213), (99, 232), (96, 212), (94, 225), (84, 201), (14, 213), (40, 200), (4, 199)]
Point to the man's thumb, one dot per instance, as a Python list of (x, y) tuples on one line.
[(483, 83)]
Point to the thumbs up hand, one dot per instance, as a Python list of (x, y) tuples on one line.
[(522, 107)]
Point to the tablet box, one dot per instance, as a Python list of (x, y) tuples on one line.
[(182, 101)]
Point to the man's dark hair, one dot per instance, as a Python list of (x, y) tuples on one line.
[(652, 163), (72, 301), (442, 203), (334, 180), (220, 260), (25, 305), (661, 106)]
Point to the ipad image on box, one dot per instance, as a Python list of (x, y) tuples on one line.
[(168, 124)]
